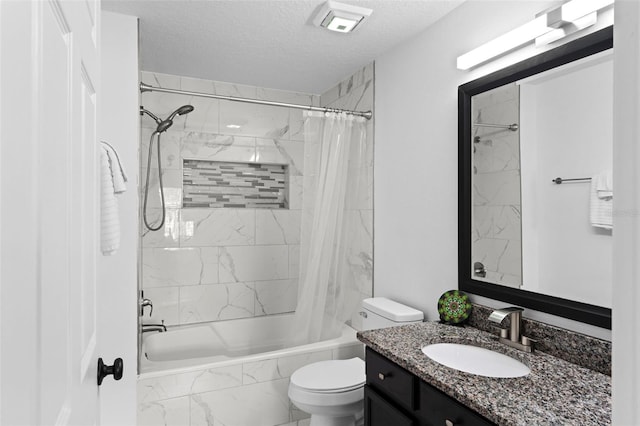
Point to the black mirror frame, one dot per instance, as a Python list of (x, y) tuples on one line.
[(569, 52)]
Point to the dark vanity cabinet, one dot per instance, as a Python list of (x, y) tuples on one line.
[(395, 397)]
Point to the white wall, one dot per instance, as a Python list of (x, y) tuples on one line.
[(567, 127), (626, 243), (119, 119), (416, 154)]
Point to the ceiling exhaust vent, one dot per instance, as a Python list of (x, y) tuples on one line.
[(340, 17)]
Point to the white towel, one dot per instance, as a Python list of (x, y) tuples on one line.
[(117, 170), (109, 220), (601, 200), (604, 184)]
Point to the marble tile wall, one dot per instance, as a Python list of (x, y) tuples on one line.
[(209, 264), (244, 393), (496, 226), (357, 93)]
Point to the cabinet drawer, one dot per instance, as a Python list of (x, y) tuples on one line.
[(391, 379), (437, 408), (380, 412)]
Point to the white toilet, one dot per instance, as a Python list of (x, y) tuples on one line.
[(333, 391)]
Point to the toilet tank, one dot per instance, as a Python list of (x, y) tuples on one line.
[(380, 312)]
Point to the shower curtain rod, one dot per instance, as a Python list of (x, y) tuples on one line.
[(147, 88)]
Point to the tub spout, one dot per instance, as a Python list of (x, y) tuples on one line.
[(154, 327)]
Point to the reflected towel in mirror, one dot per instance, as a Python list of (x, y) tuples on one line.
[(601, 200)]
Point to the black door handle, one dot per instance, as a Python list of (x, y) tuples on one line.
[(105, 370)]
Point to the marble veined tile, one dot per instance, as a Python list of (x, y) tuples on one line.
[(253, 120), (168, 235), (204, 117), (171, 184), (278, 226), (483, 222), (296, 125), (294, 195), (253, 263), (169, 412), (216, 302), (278, 151), (217, 227), (207, 146), (358, 99), (175, 385), (507, 222), (503, 256), (260, 404), (166, 304), (500, 188), (276, 297), (179, 266), (294, 261), (169, 149), (280, 368)]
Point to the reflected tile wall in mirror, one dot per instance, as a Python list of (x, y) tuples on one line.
[(496, 239)]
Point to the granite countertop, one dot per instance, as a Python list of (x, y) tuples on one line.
[(555, 392)]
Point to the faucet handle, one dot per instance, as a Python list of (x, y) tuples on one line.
[(143, 303)]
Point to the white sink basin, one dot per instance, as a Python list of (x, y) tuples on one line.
[(475, 360)]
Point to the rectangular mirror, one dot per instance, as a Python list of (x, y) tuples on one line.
[(535, 190)]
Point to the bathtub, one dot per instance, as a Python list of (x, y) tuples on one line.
[(225, 342), (232, 372)]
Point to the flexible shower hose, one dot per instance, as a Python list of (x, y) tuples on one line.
[(146, 186)]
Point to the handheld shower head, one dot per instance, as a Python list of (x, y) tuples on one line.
[(163, 125), (184, 109)]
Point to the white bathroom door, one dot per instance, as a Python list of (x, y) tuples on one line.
[(49, 72)]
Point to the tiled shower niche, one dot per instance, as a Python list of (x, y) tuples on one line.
[(216, 184)]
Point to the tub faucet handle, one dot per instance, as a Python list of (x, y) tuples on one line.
[(143, 303)]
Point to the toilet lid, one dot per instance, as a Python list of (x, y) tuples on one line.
[(335, 375)]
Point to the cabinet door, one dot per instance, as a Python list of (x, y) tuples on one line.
[(380, 412), (438, 409), (390, 379)]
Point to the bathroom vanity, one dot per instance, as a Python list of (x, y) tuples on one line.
[(395, 396), (405, 387)]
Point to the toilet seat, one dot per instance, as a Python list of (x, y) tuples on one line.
[(334, 376)]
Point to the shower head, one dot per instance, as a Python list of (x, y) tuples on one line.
[(164, 125), (184, 109)]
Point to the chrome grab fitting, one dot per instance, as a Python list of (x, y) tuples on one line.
[(513, 336)]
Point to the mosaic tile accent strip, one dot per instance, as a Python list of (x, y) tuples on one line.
[(234, 185)]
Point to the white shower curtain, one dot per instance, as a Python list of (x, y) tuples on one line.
[(334, 172)]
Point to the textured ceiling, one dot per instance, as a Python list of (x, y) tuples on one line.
[(269, 43)]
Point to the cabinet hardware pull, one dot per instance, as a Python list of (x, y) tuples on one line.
[(448, 422), (381, 376)]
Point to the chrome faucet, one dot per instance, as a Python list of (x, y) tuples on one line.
[(512, 337)]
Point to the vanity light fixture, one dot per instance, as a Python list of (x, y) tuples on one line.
[(340, 17), (546, 28)]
